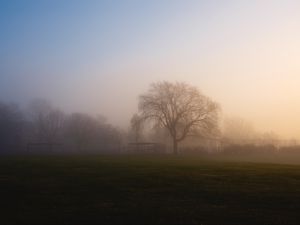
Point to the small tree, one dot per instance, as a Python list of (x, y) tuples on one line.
[(89, 133), (180, 108), (48, 121), (81, 129), (136, 123)]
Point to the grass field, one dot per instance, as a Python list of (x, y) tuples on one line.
[(146, 190)]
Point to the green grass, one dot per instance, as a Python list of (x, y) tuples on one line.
[(146, 190)]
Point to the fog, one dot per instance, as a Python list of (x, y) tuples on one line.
[(96, 58)]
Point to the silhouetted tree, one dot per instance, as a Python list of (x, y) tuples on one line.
[(180, 108)]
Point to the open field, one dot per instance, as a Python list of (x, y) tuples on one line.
[(146, 190)]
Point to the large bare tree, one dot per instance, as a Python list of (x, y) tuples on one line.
[(180, 108)]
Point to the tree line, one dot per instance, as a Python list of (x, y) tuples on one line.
[(175, 114), (44, 127)]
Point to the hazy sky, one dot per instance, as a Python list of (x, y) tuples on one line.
[(98, 56)]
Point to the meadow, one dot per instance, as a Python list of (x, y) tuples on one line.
[(131, 189)]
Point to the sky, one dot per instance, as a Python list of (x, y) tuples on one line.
[(99, 56)]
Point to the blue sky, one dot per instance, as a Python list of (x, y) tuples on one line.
[(98, 56), (57, 41)]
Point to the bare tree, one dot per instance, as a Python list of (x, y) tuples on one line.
[(180, 108)]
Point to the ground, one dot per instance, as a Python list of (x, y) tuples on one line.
[(146, 190)]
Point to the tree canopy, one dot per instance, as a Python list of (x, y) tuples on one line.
[(181, 108)]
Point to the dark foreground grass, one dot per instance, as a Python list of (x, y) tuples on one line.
[(146, 190)]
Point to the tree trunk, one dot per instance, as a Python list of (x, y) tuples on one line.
[(175, 146)]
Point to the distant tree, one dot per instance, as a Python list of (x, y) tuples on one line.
[(270, 138), (239, 131), (106, 133), (87, 132), (181, 108), (81, 129), (48, 121), (11, 123), (136, 123)]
